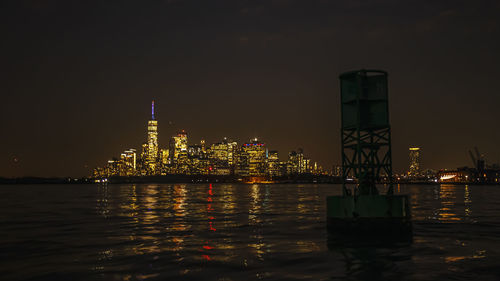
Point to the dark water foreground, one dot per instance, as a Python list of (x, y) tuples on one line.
[(235, 232)]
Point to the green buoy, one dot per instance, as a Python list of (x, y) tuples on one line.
[(361, 213)]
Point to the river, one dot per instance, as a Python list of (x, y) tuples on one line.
[(235, 232)]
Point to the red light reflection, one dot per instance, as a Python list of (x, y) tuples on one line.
[(210, 223)]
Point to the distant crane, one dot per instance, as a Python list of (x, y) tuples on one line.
[(474, 160), (477, 153), (477, 160)]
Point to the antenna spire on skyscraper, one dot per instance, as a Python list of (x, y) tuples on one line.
[(153, 110)]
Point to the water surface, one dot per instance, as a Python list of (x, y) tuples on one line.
[(235, 232)]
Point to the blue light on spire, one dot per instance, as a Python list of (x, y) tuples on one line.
[(153, 110)]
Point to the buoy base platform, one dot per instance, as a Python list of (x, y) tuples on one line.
[(369, 218)]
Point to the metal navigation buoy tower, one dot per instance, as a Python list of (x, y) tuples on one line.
[(366, 133), (361, 213)]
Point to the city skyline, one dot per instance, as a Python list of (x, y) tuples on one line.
[(405, 167), (227, 157), (76, 73)]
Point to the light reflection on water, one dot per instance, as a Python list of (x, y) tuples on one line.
[(467, 201), (235, 232), (447, 195)]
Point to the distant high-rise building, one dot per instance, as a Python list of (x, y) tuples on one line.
[(255, 153), (219, 153), (297, 164), (273, 164), (127, 164), (222, 154), (132, 155), (292, 165), (232, 148), (414, 161), (178, 145), (151, 160), (179, 152)]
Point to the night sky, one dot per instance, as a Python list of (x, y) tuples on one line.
[(78, 77)]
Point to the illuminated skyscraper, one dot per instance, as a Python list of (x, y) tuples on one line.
[(131, 157), (414, 161), (297, 163), (292, 165), (178, 145), (273, 164), (255, 153), (222, 156), (179, 152), (151, 160), (232, 148), (219, 153), (128, 163)]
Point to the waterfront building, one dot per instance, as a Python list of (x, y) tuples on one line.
[(463, 175), (414, 170)]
